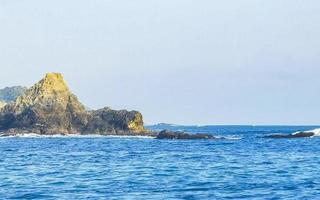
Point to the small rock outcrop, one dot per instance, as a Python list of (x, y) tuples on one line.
[(183, 136), (49, 107), (292, 136), (111, 121)]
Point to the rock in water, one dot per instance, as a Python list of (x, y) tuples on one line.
[(46, 108), (292, 136), (49, 107), (182, 136), (116, 122)]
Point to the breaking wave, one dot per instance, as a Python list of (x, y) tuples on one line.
[(316, 132), (233, 137)]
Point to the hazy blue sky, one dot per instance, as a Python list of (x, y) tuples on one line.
[(176, 61)]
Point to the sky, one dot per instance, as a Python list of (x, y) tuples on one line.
[(177, 61)]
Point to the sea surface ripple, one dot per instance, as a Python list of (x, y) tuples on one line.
[(248, 167)]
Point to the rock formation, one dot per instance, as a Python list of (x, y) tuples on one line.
[(49, 107), (292, 136), (183, 136), (115, 122)]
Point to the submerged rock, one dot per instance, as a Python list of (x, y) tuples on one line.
[(291, 136), (182, 136), (49, 107)]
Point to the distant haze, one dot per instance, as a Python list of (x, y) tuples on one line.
[(176, 61)]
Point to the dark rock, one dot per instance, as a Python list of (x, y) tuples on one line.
[(107, 120), (182, 136), (292, 136)]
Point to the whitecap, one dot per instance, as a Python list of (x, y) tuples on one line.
[(233, 137), (316, 132)]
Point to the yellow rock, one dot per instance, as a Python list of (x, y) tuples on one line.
[(136, 125), (51, 89), (2, 104)]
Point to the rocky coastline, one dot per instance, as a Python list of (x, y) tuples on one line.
[(50, 108)]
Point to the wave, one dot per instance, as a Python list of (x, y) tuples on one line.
[(232, 137), (129, 136), (310, 133), (316, 132)]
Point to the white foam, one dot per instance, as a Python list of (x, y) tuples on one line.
[(130, 136), (233, 137), (34, 135), (316, 132)]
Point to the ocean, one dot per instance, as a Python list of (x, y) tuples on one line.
[(243, 166)]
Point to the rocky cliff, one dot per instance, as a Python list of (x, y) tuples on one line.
[(49, 107)]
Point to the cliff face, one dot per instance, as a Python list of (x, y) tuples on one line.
[(49, 107), (116, 122)]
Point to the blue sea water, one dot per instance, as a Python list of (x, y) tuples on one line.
[(245, 166)]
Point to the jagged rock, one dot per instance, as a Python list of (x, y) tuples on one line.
[(46, 108), (182, 136), (49, 107), (10, 94), (2, 104)]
